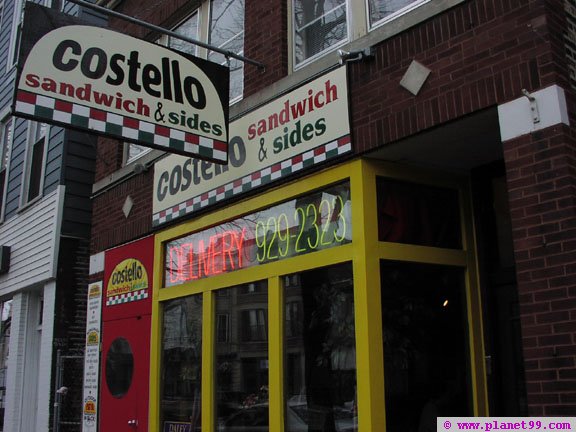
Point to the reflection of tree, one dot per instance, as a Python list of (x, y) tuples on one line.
[(380, 9), (328, 307), (181, 360), (227, 32), (319, 24)]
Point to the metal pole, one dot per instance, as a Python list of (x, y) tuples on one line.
[(56, 415), (159, 29)]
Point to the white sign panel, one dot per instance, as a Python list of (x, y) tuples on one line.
[(305, 127), (106, 82), (92, 358)]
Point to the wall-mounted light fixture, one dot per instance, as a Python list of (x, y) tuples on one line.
[(351, 56)]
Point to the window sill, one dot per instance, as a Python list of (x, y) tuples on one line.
[(24, 207)]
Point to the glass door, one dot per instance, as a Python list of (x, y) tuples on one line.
[(425, 328)]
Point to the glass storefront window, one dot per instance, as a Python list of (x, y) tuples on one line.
[(181, 369), (316, 221), (320, 366), (242, 360), (418, 214), (426, 367)]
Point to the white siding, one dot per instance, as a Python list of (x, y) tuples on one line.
[(32, 237), (45, 363), (16, 360)]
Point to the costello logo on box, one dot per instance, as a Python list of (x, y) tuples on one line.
[(128, 276)]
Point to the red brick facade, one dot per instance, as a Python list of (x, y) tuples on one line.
[(542, 191), (482, 53)]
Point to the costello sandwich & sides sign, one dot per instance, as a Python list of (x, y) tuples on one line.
[(290, 134), (95, 79)]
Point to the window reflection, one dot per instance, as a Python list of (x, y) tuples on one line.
[(242, 360), (318, 26), (320, 350), (227, 32), (418, 214), (425, 345), (381, 9), (119, 367), (181, 361)]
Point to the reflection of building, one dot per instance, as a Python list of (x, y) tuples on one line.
[(46, 174), (242, 341), (458, 241)]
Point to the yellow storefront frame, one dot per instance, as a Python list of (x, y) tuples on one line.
[(365, 252)]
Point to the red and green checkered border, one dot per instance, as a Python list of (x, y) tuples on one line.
[(128, 297), (84, 117), (257, 178)]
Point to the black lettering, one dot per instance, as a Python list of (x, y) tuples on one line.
[(133, 65), (58, 57), (206, 168), (173, 118), (186, 175), (217, 130), (117, 70), (194, 93), (196, 176), (277, 144), (162, 186), (177, 81), (92, 69), (237, 152), (320, 126), (151, 77), (175, 180)]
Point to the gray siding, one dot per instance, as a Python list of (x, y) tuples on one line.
[(77, 156)]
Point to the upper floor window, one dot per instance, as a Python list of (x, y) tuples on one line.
[(132, 152), (34, 161), (188, 28), (320, 26), (17, 28), (224, 29), (381, 10), (227, 32)]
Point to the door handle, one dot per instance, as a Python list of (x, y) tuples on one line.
[(133, 423)]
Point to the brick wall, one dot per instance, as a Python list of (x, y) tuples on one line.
[(541, 172), (110, 227), (481, 53), (265, 41)]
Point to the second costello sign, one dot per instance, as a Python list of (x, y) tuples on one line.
[(99, 80)]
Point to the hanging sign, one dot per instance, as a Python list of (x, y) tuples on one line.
[(295, 132), (106, 82)]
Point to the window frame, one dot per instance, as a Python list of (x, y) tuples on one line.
[(361, 34), (17, 21), (33, 140), (394, 15), (349, 31), (365, 252)]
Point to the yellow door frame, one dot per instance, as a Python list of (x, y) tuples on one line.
[(365, 253)]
